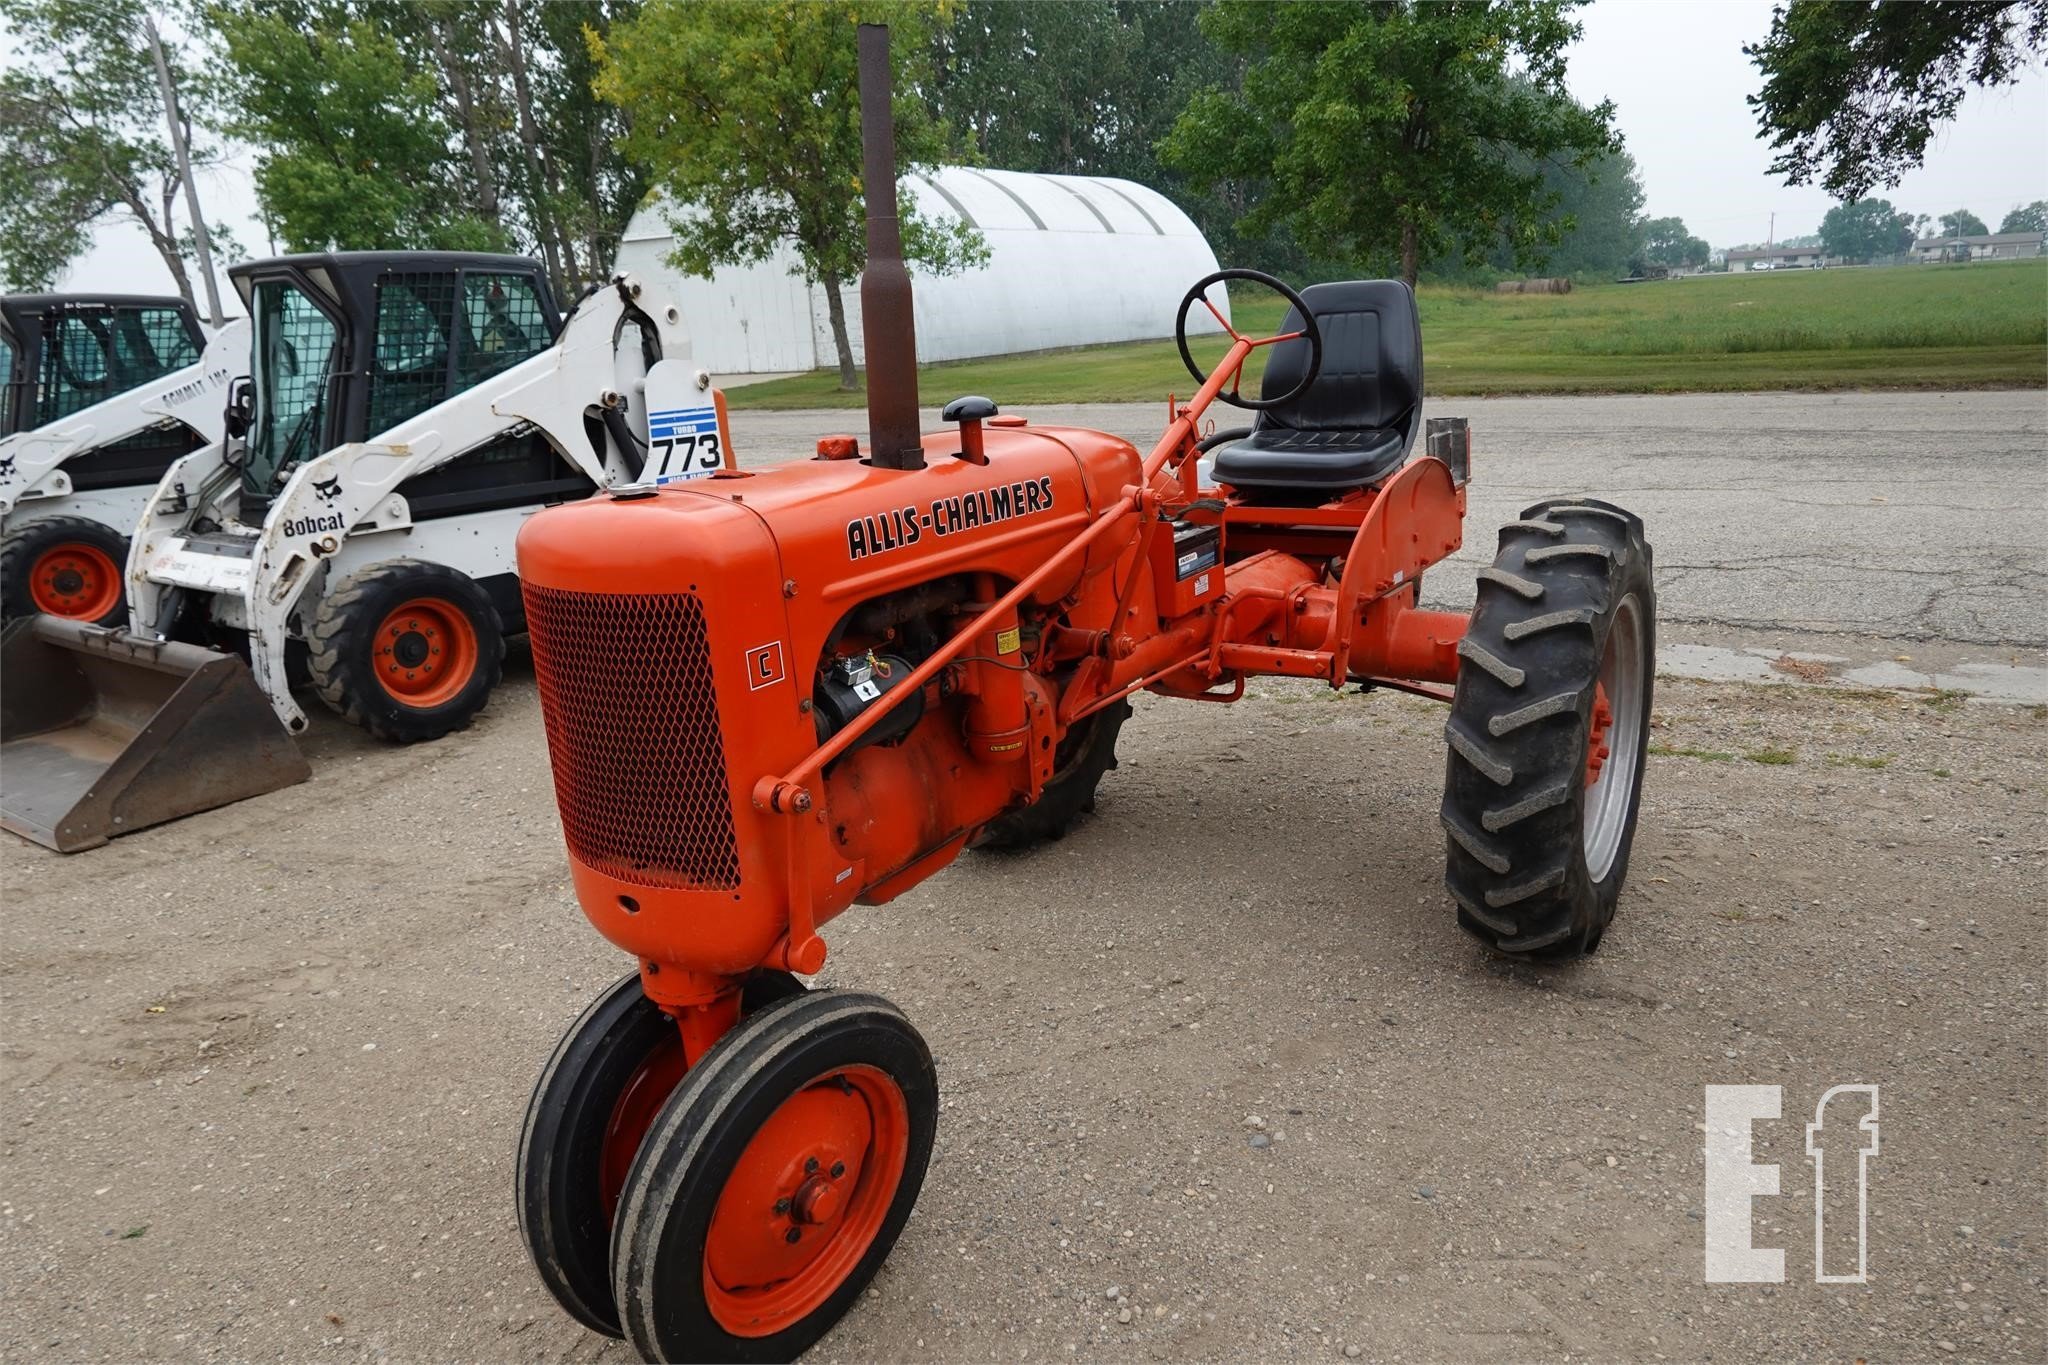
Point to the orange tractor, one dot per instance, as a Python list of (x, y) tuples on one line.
[(772, 695)]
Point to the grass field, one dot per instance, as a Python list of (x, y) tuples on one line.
[(1961, 326)]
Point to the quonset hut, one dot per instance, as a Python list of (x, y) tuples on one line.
[(1073, 261)]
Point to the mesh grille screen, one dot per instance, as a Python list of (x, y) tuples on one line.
[(632, 724), (91, 355), (506, 325), (409, 371), (295, 352)]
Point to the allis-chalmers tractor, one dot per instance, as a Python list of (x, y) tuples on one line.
[(772, 695)]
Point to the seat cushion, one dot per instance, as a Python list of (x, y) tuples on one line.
[(1309, 461)]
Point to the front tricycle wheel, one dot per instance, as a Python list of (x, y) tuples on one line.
[(1548, 729)]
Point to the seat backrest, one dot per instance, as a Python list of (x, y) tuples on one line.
[(1371, 377)]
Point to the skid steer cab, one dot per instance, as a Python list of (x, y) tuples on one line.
[(404, 414), (843, 672), (98, 395)]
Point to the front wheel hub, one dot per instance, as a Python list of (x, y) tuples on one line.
[(804, 1201)]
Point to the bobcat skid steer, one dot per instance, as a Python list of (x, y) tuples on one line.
[(98, 394), (406, 412)]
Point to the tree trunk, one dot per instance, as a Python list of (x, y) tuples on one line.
[(1409, 263), (162, 238), (555, 245), (849, 380), (473, 138)]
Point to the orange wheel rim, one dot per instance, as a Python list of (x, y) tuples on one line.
[(425, 652), (805, 1201), (1597, 747), (76, 580), (633, 1113)]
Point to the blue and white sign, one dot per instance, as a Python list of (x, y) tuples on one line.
[(682, 443)]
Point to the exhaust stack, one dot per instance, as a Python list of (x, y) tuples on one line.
[(887, 326)]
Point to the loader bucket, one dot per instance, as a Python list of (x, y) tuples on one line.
[(103, 733)]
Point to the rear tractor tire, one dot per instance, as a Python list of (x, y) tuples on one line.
[(1548, 730), (72, 567), (1085, 757), (408, 650)]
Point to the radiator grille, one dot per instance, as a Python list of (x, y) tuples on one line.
[(632, 723)]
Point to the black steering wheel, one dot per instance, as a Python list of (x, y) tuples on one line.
[(1309, 330)]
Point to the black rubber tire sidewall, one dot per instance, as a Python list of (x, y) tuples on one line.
[(560, 1204), (342, 644), (1485, 861), (25, 544), (1065, 799), (657, 1263)]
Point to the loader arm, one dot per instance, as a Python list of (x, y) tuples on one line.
[(344, 508), (31, 462)]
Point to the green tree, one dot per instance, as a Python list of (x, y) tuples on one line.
[(1853, 92), (1667, 243), (355, 153), (1597, 209), (746, 115), (2027, 218), (1962, 223), (1081, 87), (83, 140), (1386, 129), (431, 123), (1865, 229)]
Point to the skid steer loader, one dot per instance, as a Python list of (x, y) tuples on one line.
[(405, 413), (98, 394)]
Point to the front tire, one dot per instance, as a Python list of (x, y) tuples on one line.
[(71, 567), (1548, 730), (590, 1109), (406, 649), (775, 1181)]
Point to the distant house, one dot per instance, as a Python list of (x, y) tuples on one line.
[(1996, 246), (1780, 258)]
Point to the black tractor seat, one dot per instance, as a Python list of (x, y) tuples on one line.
[(1354, 425)]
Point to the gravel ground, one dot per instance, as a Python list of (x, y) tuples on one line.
[(1221, 1078)]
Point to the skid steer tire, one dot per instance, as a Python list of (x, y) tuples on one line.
[(1088, 753), (71, 567), (1548, 730), (408, 650)]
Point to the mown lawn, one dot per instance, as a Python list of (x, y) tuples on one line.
[(1959, 326)]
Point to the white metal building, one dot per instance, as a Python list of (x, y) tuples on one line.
[(1073, 261)]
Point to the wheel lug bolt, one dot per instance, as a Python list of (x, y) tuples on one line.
[(838, 1169), (810, 1165), (782, 1206), (792, 1235)]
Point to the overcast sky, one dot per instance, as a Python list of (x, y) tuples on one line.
[(1677, 76)]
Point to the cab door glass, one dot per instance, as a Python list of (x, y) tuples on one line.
[(296, 346)]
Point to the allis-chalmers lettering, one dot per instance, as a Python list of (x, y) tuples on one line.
[(901, 526)]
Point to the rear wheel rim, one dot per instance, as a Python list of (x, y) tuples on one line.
[(1610, 795), (806, 1199), (425, 652), (75, 580)]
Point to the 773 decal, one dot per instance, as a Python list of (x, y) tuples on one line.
[(682, 443)]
